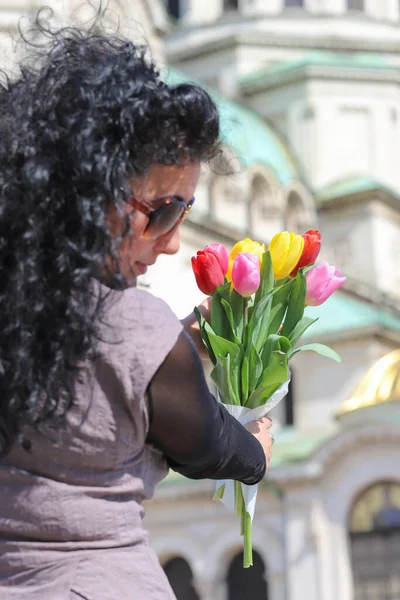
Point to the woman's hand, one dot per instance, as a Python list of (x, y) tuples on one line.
[(191, 326), (260, 430)]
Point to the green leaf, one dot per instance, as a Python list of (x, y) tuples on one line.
[(319, 349), (272, 378), (279, 305), (223, 347), (237, 303), (205, 329), (255, 367), (266, 277), (296, 304), (275, 343), (229, 314), (300, 328), (222, 377), (245, 379), (219, 319), (258, 325)]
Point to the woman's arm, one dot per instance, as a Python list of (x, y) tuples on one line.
[(195, 432)]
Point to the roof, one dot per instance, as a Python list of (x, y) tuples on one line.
[(343, 313), (349, 186), (293, 445), (319, 58), (252, 139)]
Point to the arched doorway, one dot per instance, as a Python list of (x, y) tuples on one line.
[(247, 583), (375, 543), (180, 577)]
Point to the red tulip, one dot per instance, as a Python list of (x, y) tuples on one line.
[(208, 271), (312, 246)]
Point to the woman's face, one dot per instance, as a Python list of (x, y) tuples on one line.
[(136, 251)]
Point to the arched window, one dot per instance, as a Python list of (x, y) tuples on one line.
[(174, 7), (296, 214), (289, 3), (265, 217), (375, 542), (247, 583), (356, 5), (180, 577)]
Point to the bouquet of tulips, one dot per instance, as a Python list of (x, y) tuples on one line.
[(257, 320)]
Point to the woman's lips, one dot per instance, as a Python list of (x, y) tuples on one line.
[(141, 268)]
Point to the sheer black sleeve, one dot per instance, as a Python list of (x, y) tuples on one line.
[(195, 432)]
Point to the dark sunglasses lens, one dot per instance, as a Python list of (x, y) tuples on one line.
[(164, 219)]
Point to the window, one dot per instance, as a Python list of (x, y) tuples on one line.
[(231, 4), (174, 8), (356, 4), (297, 218), (289, 3), (180, 577), (247, 583), (265, 217), (375, 518)]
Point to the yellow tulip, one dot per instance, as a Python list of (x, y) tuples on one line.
[(285, 249), (246, 245)]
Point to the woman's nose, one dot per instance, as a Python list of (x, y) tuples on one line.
[(170, 242)]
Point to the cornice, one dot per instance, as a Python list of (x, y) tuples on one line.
[(189, 43), (361, 197), (301, 73)]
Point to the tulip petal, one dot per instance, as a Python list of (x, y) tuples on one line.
[(244, 246), (207, 271), (279, 248), (322, 281), (295, 250), (246, 274), (220, 252)]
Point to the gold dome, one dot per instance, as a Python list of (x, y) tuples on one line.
[(380, 384)]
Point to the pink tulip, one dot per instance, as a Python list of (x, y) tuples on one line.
[(322, 281), (220, 252), (246, 274)]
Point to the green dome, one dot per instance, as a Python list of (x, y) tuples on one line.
[(252, 140)]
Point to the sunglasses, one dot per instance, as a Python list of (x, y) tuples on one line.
[(164, 213)]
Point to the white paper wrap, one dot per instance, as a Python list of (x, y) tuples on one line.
[(246, 415)]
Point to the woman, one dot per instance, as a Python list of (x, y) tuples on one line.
[(100, 386)]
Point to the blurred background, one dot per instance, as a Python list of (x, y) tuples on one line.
[(309, 94)]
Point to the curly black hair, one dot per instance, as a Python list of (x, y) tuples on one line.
[(74, 129)]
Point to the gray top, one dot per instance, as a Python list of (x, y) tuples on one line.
[(70, 511)]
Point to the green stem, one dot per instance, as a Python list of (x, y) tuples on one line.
[(245, 321), (238, 499), (248, 549)]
